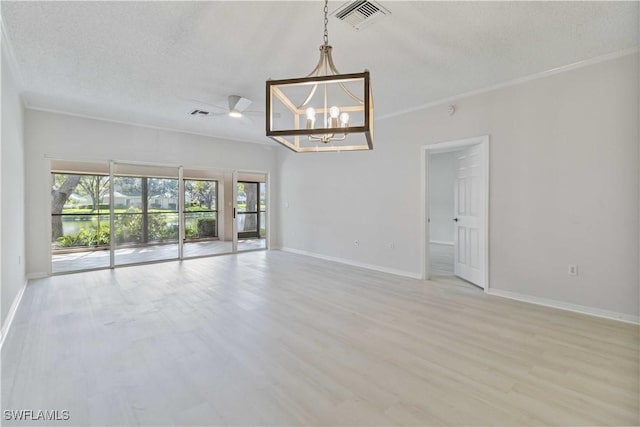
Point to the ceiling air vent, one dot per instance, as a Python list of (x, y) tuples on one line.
[(360, 13)]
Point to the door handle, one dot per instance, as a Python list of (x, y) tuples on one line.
[(455, 219), (234, 213)]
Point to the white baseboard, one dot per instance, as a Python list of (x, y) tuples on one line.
[(12, 312), (353, 263), (440, 242), (592, 311), (37, 275)]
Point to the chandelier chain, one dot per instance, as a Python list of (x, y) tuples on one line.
[(326, 21)]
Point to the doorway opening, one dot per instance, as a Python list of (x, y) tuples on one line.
[(456, 211)]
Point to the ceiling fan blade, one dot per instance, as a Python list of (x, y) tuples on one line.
[(245, 120), (238, 103), (209, 114), (200, 101)]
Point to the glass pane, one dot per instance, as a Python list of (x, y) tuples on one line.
[(127, 194), (251, 215), (263, 196), (127, 197), (79, 222), (242, 197), (145, 219), (201, 219), (201, 225), (128, 226), (163, 195), (263, 210), (247, 205), (247, 222), (200, 195), (251, 192), (162, 227), (263, 225)]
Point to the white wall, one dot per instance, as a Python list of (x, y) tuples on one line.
[(564, 188), (51, 135), (442, 174), (12, 221)]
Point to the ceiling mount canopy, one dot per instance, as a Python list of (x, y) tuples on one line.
[(323, 111)]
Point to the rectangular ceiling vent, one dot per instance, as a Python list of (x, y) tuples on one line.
[(360, 13)]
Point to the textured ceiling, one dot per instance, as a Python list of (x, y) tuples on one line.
[(153, 62)]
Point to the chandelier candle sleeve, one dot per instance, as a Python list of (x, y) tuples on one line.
[(324, 111), (311, 117)]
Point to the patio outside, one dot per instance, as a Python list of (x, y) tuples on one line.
[(146, 220)]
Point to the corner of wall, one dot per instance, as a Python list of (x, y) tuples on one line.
[(6, 324)]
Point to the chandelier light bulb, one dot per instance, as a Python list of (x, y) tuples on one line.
[(344, 119), (311, 113), (334, 112), (311, 117)]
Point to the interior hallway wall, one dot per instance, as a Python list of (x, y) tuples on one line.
[(442, 175)]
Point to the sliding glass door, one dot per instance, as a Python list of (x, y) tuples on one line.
[(113, 213), (203, 221), (79, 221), (251, 208), (145, 210)]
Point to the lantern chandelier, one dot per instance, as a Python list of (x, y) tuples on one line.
[(323, 111)]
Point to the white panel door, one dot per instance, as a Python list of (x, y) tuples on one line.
[(469, 216)]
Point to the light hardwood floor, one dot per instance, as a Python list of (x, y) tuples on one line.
[(441, 259), (271, 338)]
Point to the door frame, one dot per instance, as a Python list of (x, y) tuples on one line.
[(442, 147)]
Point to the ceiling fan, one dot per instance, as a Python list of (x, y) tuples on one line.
[(237, 108)]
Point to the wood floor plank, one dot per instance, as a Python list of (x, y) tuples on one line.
[(271, 338)]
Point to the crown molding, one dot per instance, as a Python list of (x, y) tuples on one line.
[(265, 144), (518, 81)]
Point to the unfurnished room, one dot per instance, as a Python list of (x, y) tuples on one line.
[(320, 213)]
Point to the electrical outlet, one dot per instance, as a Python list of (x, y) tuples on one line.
[(573, 270), (356, 243), (392, 245)]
